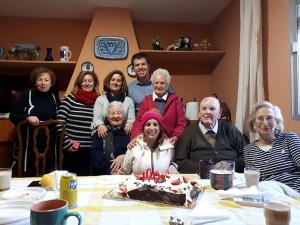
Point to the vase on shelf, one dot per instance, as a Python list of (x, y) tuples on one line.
[(2, 53), (49, 56)]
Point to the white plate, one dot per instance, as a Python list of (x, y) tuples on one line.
[(29, 193), (14, 214)]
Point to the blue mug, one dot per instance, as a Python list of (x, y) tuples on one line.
[(51, 212)]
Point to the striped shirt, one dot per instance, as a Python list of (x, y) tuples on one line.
[(77, 118), (280, 163)]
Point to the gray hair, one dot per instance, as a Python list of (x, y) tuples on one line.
[(115, 104), (165, 73), (277, 114)]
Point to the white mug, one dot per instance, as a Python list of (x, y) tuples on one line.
[(64, 53)]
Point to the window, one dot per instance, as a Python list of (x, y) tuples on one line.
[(295, 56)]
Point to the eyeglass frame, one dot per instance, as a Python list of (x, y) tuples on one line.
[(261, 120)]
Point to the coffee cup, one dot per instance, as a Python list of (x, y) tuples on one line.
[(5, 178), (51, 212), (277, 213), (251, 176), (221, 179), (64, 53), (221, 176), (204, 167)]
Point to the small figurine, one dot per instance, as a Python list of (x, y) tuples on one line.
[(174, 46), (156, 44), (26, 51), (205, 45), (183, 43)]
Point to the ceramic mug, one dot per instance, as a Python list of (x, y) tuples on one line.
[(5, 178), (51, 212), (221, 177), (64, 53)]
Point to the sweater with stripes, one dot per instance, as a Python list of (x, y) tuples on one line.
[(280, 163), (77, 118)]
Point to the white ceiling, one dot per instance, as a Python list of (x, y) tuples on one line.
[(187, 11)]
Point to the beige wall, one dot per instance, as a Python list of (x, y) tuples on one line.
[(223, 33), (168, 32), (107, 22), (45, 33), (278, 59), (187, 86), (226, 36)]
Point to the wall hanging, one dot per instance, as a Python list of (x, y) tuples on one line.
[(107, 47)]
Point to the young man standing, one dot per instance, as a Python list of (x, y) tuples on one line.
[(142, 86)]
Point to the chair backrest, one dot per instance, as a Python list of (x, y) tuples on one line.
[(40, 154)]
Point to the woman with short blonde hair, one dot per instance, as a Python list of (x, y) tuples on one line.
[(275, 153)]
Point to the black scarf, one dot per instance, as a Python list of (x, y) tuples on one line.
[(118, 98)]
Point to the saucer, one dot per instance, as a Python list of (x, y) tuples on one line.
[(29, 193)]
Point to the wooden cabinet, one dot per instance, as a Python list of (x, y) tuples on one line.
[(185, 62), (7, 130), (7, 137)]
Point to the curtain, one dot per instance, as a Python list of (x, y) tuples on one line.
[(250, 86)]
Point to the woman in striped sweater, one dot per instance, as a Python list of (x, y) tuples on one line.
[(76, 111), (276, 154)]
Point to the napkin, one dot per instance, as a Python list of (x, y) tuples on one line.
[(279, 191), (15, 212), (235, 192), (205, 212)]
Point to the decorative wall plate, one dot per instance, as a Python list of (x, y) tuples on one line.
[(111, 47), (87, 66), (130, 71)]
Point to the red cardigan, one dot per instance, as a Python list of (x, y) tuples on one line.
[(173, 117)]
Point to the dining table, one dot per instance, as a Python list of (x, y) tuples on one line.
[(98, 210)]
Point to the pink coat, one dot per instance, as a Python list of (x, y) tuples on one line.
[(173, 117)]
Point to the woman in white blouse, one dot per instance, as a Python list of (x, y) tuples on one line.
[(152, 149)]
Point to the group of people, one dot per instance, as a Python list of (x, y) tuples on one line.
[(132, 128)]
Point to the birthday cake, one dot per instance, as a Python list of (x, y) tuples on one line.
[(173, 189)]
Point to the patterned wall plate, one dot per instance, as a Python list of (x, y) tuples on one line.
[(130, 71), (87, 66), (111, 47)]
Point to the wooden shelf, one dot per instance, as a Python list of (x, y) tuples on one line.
[(20, 67), (185, 62)]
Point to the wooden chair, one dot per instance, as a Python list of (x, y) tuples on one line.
[(40, 154)]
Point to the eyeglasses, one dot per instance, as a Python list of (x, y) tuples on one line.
[(260, 120)]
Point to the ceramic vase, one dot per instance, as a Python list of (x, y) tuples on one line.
[(49, 56)]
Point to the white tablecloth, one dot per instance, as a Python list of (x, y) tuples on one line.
[(98, 211)]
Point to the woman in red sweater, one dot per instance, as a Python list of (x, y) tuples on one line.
[(167, 103)]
